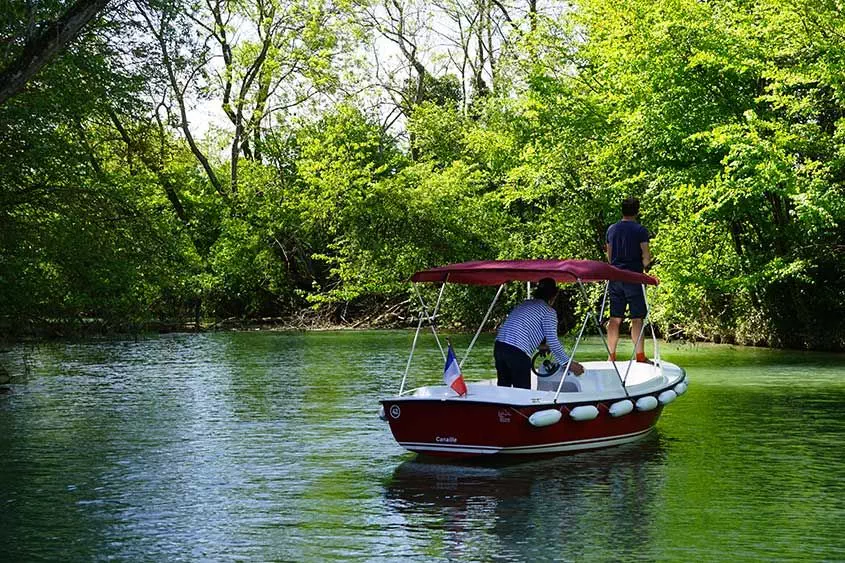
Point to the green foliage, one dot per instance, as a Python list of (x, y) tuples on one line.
[(83, 235), (437, 132), (727, 120), (442, 91)]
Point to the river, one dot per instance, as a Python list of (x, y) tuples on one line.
[(264, 446)]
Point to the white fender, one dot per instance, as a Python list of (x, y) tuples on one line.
[(667, 397), (681, 388), (381, 414), (646, 403), (544, 418), (621, 408), (584, 412)]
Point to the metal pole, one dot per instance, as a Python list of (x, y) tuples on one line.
[(636, 345), (433, 317), (598, 325), (603, 301), (413, 347), (603, 339), (483, 322), (571, 356), (651, 326), (639, 339)]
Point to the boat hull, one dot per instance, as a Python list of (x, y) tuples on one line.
[(463, 428)]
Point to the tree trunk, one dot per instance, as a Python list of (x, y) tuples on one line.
[(40, 50)]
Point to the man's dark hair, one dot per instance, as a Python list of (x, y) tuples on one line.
[(546, 289), (630, 207)]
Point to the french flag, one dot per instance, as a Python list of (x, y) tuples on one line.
[(452, 375)]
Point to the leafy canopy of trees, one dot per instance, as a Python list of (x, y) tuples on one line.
[(352, 153)]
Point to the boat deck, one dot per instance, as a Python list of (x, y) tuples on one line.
[(600, 382)]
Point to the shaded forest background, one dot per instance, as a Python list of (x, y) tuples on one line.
[(359, 142)]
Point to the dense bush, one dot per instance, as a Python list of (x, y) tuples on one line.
[(725, 119)]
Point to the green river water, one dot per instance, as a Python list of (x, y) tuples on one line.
[(267, 447)]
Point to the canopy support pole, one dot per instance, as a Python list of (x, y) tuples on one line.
[(603, 301), (601, 333), (481, 326), (572, 355), (640, 338), (433, 317), (651, 326), (598, 320), (430, 318), (411, 356), (634, 352)]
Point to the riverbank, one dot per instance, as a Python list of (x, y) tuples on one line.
[(87, 327), (313, 321)]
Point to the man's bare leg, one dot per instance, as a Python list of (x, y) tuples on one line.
[(613, 336), (639, 343)]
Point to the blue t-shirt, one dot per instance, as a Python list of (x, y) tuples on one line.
[(624, 239)]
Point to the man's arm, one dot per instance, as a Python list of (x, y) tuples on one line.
[(609, 251), (646, 254), (550, 332)]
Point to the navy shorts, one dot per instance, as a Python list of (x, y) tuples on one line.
[(513, 366), (627, 295)]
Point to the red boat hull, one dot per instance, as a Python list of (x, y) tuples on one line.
[(464, 428)]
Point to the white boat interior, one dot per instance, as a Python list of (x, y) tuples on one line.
[(601, 381)]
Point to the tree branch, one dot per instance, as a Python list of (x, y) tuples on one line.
[(41, 50)]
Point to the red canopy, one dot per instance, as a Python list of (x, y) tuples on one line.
[(495, 272)]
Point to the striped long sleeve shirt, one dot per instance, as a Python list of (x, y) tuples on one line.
[(528, 324)]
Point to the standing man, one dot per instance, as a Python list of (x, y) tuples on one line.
[(627, 248), (527, 326)]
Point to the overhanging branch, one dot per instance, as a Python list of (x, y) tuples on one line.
[(41, 49)]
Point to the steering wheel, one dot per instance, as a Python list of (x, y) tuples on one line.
[(543, 364)]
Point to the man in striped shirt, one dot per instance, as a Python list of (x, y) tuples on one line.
[(527, 326)]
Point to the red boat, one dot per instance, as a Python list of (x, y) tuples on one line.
[(611, 403)]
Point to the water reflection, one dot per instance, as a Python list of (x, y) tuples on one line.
[(549, 508), (266, 447)]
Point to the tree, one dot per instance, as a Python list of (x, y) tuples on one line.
[(276, 56), (38, 50)]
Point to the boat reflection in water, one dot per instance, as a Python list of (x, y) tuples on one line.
[(591, 505)]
